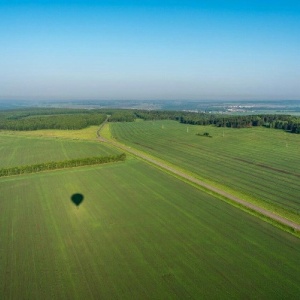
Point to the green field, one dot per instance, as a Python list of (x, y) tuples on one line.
[(258, 164), (139, 234), (18, 150), (89, 133)]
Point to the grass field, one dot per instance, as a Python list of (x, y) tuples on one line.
[(138, 234), (18, 150), (89, 133), (258, 164)]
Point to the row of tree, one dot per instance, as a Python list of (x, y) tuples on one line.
[(285, 122), (52, 165)]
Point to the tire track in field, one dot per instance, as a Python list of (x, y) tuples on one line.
[(199, 182)]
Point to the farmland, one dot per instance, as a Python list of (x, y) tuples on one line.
[(16, 150), (139, 233), (143, 233), (88, 133), (258, 164)]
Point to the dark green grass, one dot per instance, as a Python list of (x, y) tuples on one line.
[(256, 163), (19, 151), (138, 234)]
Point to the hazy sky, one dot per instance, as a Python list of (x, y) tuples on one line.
[(196, 50)]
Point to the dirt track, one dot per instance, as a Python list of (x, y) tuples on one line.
[(244, 203)]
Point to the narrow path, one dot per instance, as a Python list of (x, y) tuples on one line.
[(192, 179), (99, 129)]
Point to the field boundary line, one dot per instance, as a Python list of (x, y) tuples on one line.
[(181, 174)]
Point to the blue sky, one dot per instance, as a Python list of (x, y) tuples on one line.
[(193, 50)]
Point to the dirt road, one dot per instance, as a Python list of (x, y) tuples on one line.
[(192, 179)]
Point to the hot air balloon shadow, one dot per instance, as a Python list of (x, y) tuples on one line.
[(77, 199)]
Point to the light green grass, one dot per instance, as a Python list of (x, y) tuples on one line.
[(139, 234), (257, 164), (26, 150), (89, 133), (105, 131)]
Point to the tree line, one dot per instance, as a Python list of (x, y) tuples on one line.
[(286, 122), (53, 165), (122, 116), (74, 121), (26, 112), (51, 118)]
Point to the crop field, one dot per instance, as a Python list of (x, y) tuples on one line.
[(139, 233), (25, 150), (258, 164)]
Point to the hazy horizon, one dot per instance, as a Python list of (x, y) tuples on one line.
[(148, 100), (149, 50)]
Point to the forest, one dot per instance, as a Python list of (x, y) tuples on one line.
[(35, 119), (285, 122), (63, 118)]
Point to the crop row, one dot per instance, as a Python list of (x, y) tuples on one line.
[(250, 161)]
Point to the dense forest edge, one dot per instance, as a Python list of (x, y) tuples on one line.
[(70, 119), (285, 122), (52, 165)]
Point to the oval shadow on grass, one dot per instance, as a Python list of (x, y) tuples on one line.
[(77, 199)]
